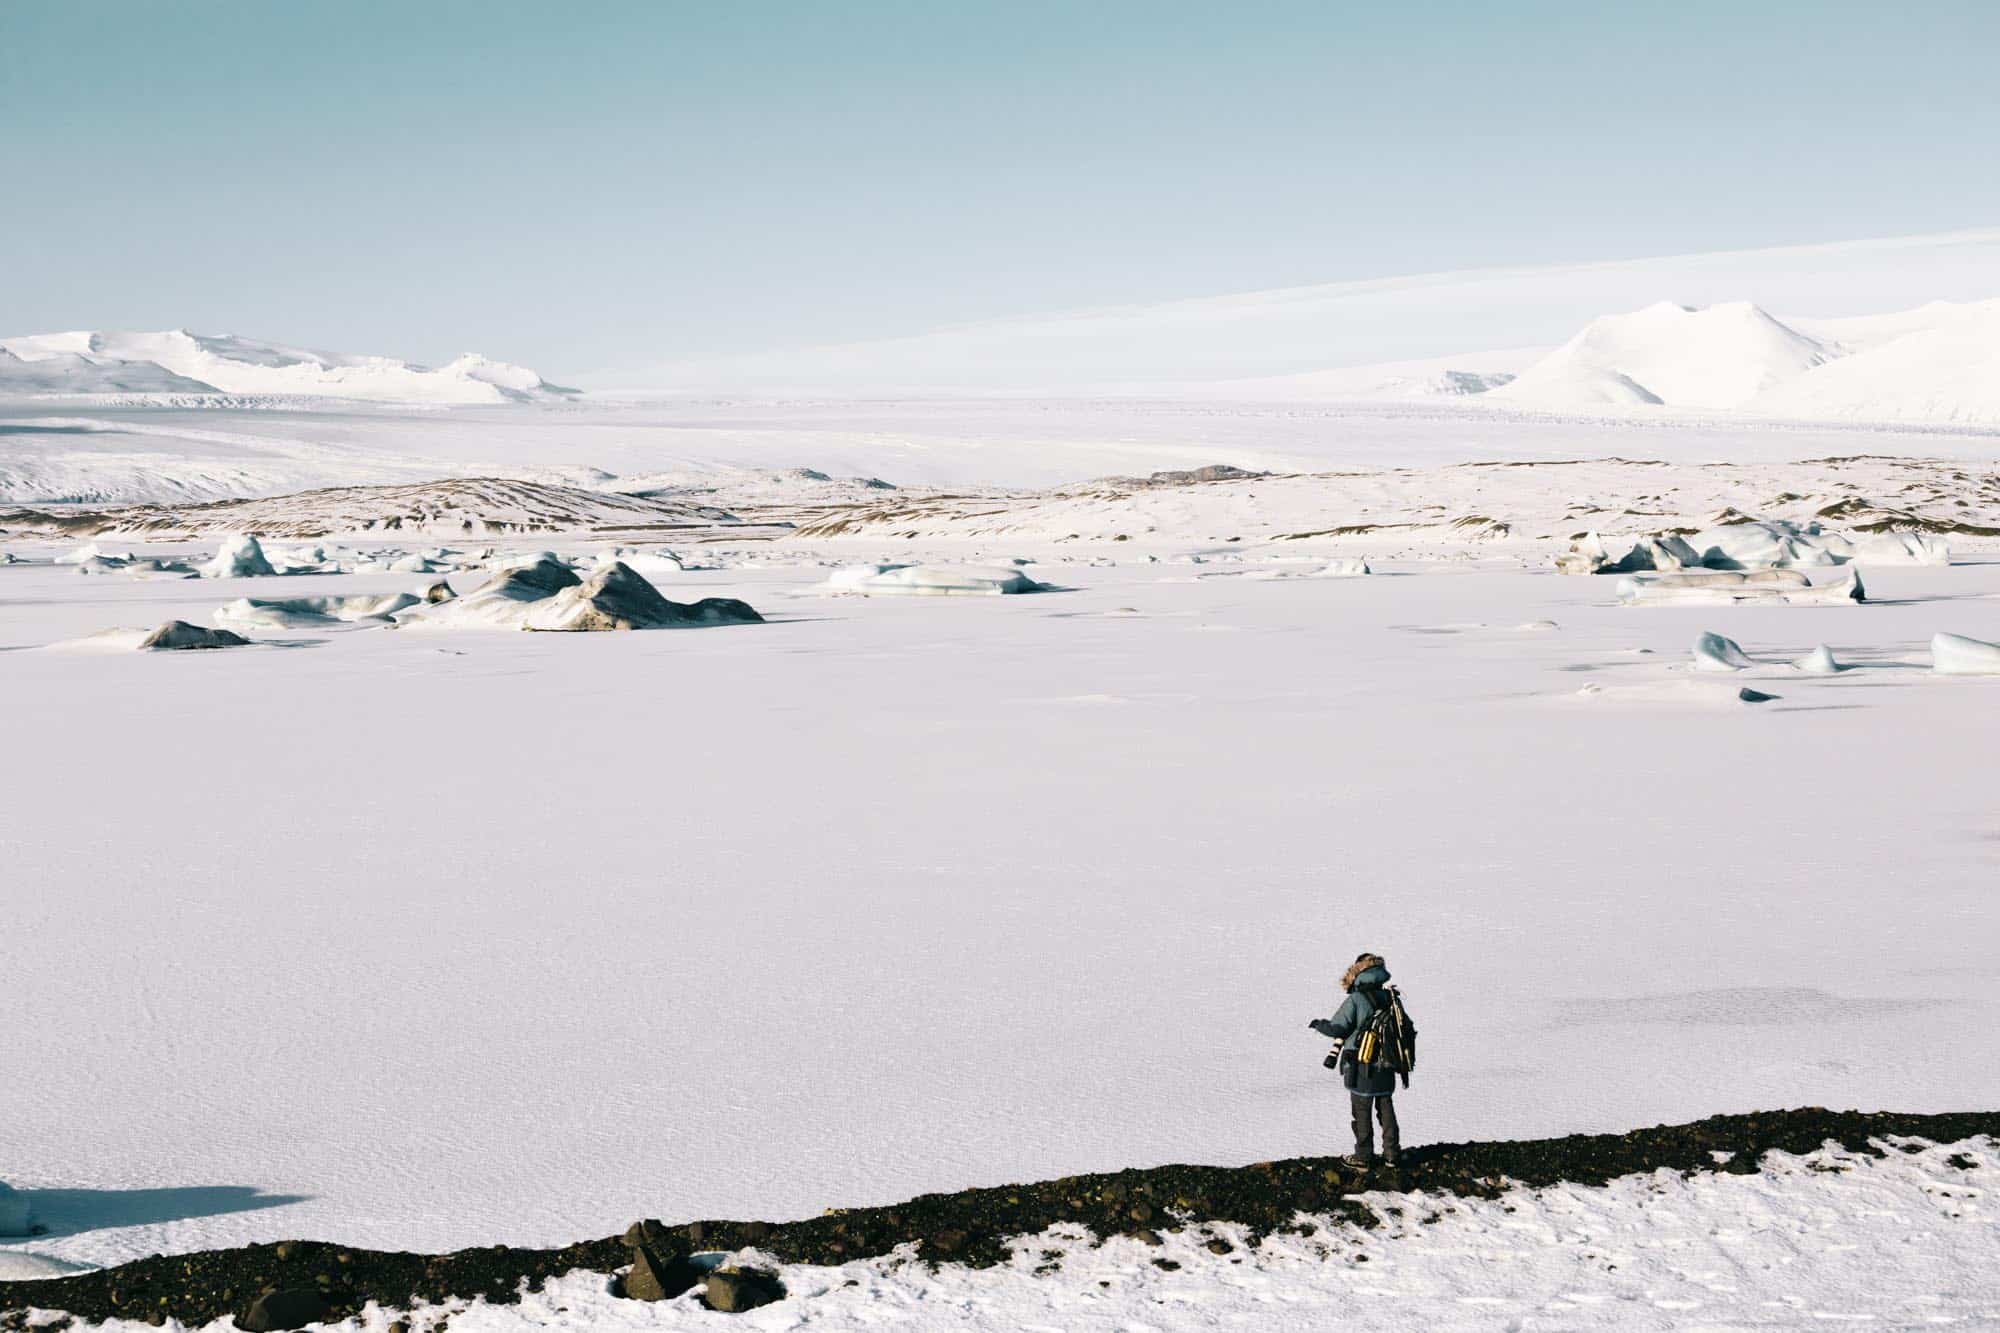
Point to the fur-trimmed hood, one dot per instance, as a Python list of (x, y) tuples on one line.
[(1367, 970)]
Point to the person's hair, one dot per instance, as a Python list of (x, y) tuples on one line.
[(1358, 966)]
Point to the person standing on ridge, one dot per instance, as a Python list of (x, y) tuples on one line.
[(1374, 1042)]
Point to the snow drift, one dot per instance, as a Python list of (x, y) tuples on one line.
[(1956, 655), (307, 612), (1714, 652)]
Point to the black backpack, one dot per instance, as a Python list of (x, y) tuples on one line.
[(1389, 1039)]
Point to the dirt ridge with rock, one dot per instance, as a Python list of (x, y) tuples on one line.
[(971, 1226)]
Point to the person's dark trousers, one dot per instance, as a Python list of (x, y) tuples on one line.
[(1383, 1109)]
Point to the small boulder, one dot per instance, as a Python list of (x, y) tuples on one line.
[(439, 592), (285, 1308), (180, 634), (656, 1277), (734, 1290)]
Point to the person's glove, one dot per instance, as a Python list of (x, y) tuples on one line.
[(1324, 1026)]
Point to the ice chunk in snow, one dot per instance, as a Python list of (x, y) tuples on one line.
[(1754, 545), (1712, 652), (129, 565), (286, 612), (930, 580), (1901, 548), (13, 1211), (501, 600), (414, 563), (1724, 587), (546, 595), (1763, 545), (643, 559), (241, 557), (1588, 555), (1956, 655), (92, 551), (1819, 662), (616, 598), (180, 634), (1345, 568), (175, 634)]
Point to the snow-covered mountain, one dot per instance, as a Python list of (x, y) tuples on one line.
[(1723, 356), (1939, 364), (182, 363), (1181, 348)]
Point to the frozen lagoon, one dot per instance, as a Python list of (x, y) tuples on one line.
[(509, 937)]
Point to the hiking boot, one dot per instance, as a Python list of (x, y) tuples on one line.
[(1358, 1163)]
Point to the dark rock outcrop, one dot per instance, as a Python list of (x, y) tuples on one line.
[(286, 1307), (974, 1226), (657, 1277)]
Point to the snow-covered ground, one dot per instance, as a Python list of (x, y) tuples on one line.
[(439, 939), (54, 452)]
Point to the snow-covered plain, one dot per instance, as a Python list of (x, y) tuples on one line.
[(439, 939)]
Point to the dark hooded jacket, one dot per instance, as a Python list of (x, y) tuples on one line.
[(1355, 1011)]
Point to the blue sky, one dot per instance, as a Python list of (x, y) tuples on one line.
[(574, 186)]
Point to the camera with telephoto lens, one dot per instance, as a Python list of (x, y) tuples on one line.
[(1332, 1060)]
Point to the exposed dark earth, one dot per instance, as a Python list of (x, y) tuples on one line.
[(290, 1283)]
